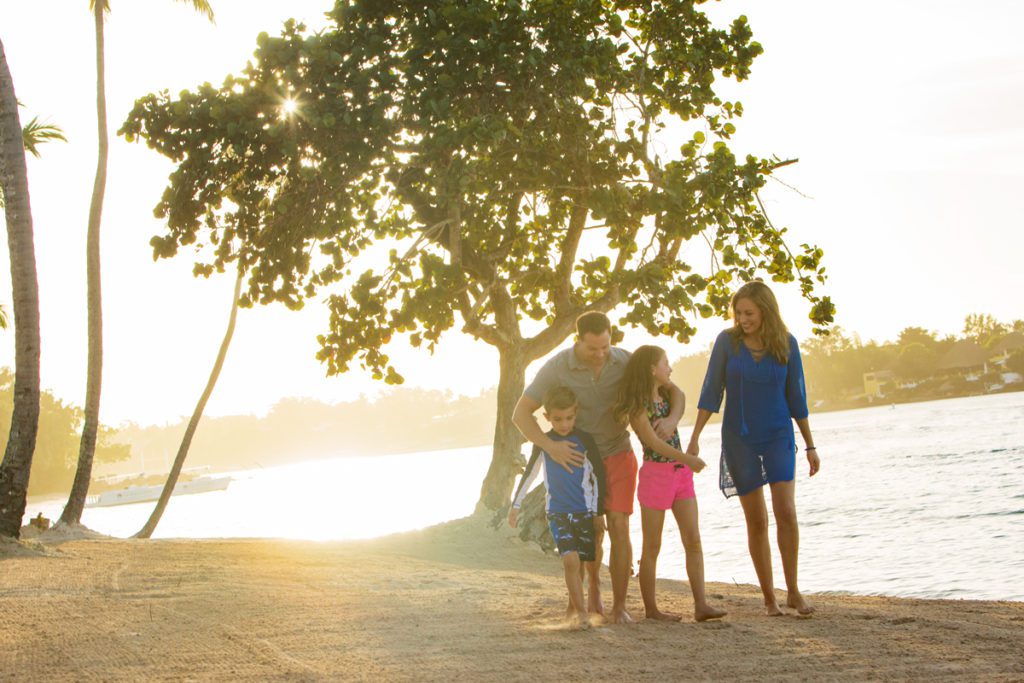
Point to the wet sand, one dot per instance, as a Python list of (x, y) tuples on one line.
[(454, 602)]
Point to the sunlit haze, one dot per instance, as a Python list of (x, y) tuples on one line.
[(905, 117)]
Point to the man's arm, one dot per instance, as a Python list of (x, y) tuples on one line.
[(563, 452), (665, 426)]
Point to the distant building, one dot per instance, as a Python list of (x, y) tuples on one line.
[(1002, 349), (877, 383), (965, 358)]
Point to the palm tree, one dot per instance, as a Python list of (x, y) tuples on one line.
[(186, 441), (21, 442), (87, 448)]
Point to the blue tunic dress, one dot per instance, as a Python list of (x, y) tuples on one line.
[(758, 447)]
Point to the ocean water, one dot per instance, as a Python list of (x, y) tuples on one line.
[(916, 500)]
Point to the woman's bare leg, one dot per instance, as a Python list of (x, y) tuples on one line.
[(653, 522), (756, 512), (784, 508), (685, 512)]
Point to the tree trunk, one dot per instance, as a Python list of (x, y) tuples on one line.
[(87, 447), (21, 442), (506, 459), (186, 441)]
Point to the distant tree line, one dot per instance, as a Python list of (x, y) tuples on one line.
[(56, 451)]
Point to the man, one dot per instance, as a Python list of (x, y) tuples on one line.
[(593, 369)]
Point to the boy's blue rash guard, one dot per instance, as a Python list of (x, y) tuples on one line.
[(763, 395), (581, 490)]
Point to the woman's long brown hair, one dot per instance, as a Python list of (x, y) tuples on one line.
[(637, 384), (773, 331)]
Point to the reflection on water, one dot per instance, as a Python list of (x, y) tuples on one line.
[(921, 500)]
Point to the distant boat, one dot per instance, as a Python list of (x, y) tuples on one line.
[(145, 494)]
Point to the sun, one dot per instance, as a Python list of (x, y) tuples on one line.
[(289, 107)]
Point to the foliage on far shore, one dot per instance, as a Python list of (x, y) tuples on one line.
[(56, 453)]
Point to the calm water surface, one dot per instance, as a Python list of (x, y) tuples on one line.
[(923, 500)]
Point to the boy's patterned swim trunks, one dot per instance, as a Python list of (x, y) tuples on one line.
[(573, 532)]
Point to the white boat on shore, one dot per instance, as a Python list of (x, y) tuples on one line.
[(145, 494)]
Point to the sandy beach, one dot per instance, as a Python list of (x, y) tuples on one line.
[(453, 602)]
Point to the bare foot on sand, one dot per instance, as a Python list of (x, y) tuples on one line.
[(658, 615), (797, 602), (578, 621), (773, 610), (621, 616), (708, 613), (594, 603)]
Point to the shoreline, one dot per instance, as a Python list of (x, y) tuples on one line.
[(455, 601)]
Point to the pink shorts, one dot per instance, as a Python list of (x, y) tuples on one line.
[(663, 483)]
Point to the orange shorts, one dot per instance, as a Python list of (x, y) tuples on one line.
[(620, 482)]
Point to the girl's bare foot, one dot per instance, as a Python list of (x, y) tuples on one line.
[(658, 615), (706, 613), (773, 610), (797, 602)]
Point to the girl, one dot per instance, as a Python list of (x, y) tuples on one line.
[(666, 479), (757, 363)]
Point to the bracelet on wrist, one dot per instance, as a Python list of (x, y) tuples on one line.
[(811, 448)]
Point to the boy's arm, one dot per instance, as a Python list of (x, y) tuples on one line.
[(597, 462), (529, 474)]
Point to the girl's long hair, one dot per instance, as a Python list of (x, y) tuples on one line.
[(773, 331), (638, 383)]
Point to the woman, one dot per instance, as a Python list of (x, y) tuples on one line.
[(757, 363)]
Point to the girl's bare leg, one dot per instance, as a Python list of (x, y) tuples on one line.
[(685, 512), (784, 508), (653, 522), (756, 512)]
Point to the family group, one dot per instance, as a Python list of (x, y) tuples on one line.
[(592, 392)]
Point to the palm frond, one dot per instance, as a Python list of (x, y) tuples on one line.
[(202, 7), (35, 133)]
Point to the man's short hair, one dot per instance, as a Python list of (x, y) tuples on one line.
[(559, 398), (592, 322)]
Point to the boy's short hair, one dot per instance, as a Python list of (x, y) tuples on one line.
[(592, 322), (559, 398)]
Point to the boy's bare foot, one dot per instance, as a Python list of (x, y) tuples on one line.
[(578, 621), (706, 613), (658, 615), (621, 616), (797, 602), (773, 610), (594, 603)]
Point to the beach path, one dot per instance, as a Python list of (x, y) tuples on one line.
[(454, 602)]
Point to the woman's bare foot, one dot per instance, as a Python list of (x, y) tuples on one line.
[(707, 613), (797, 602), (773, 610), (658, 615), (621, 616)]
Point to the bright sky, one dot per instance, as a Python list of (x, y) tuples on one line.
[(906, 118)]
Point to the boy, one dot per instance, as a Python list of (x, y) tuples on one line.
[(574, 497)]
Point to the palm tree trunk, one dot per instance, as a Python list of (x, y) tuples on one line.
[(186, 441), (87, 447), (21, 442)]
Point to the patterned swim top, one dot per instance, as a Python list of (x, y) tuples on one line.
[(661, 409)]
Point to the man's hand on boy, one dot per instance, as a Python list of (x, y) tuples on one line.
[(565, 454), (513, 517)]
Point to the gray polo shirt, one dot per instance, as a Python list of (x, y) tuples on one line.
[(596, 396)]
